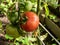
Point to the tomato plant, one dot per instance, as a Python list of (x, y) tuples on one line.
[(32, 22), (23, 20)]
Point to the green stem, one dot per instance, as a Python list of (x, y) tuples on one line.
[(38, 5), (38, 13), (18, 12), (18, 9), (46, 9)]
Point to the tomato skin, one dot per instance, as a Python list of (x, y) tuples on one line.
[(12, 31), (28, 5), (31, 23)]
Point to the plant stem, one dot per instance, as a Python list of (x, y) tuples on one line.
[(38, 2), (38, 13), (18, 9)]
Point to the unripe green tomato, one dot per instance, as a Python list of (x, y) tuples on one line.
[(12, 31), (28, 5)]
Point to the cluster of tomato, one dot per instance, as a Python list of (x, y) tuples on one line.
[(31, 19), (29, 25)]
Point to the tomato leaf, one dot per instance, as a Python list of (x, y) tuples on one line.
[(19, 39), (8, 37), (13, 17), (54, 44), (17, 43)]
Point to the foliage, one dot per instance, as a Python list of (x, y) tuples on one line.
[(8, 37), (53, 3)]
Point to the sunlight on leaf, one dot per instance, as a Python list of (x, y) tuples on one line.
[(8, 37), (19, 39), (54, 44), (17, 43), (32, 39), (43, 36)]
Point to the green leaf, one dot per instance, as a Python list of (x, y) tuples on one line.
[(53, 3), (1, 1), (26, 41), (5, 9), (52, 17), (7, 0), (23, 41), (11, 44), (19, 39), (8, 37), (17, 43), (43, 36), (2, 5), (33, 1), (34, 8), (54, 44), (32, 39), (13, 17)]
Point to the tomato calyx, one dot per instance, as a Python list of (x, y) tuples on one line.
[(23, 19)]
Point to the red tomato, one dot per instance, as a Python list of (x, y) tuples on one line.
[(31, 23)]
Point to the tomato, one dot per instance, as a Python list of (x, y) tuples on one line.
[(32, 22), (28, 5), (12, 31)]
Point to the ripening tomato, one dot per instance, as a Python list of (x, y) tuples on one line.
[(32, 22), (12, 31)]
